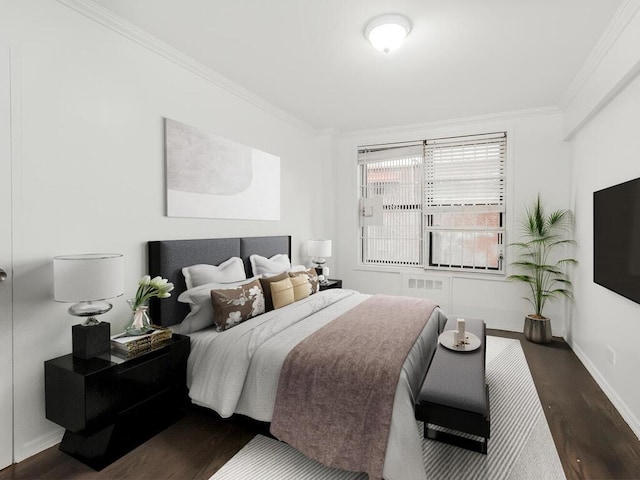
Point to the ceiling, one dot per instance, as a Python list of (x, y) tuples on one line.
[(310, 58)]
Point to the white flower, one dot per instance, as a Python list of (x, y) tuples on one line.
[(253, 291), (158, 282), (240, 300), (257, 307), (234, 318), (149, 288)]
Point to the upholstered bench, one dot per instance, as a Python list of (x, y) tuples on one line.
[(455, 395)]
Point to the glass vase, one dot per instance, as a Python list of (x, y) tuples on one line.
[(139, 323)]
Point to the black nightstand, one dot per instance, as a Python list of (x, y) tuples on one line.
[(331, 283), (109, 404)]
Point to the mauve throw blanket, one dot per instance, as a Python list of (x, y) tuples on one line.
[(336, 389)]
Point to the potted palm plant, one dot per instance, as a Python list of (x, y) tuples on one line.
[(547, 278)]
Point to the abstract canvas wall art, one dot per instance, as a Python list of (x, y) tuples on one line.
[(210, 176)]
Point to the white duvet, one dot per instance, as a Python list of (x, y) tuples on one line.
[(237, 371)]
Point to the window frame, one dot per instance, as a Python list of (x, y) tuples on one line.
[(426, 240), (428, 246)]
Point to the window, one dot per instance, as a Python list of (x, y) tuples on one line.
[(393, 176), (436, 204)]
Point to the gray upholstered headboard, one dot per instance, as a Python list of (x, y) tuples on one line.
[(166, 258)]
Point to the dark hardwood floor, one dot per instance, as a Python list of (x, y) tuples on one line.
[(592, 439)]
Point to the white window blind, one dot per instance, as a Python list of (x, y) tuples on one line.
[(393, 173), (464, 201), (465, 172)]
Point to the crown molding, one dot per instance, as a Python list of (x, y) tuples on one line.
[(621, 19), (119, 25), (454, 122)]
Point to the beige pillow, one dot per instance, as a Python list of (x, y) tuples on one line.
[(266, 288), (301, 287), (232, 306), (282, 293)]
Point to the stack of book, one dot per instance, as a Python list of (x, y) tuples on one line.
[(129, 346)]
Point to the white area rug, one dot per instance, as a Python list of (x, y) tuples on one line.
[(520, 446)]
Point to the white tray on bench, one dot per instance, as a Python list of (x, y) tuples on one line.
[(472, 342)]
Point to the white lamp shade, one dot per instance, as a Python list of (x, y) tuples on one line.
[(88, 277), (319, 248)]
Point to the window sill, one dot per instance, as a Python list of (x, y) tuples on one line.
[(489, 276)]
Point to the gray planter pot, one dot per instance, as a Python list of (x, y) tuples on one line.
[(537, 330)]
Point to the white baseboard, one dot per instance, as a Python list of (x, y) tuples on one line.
[(608, 390), (39, 444)]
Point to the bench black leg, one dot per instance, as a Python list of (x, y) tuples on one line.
[(463, 442)]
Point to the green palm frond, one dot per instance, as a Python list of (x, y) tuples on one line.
[(567, 261), (564, 242), (522, 278)]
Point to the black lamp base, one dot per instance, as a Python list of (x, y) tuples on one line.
[(91, 340)]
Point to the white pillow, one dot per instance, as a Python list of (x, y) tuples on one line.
[(192, 295), (231, 270), (269, 266), (199, 318), (201, 315)]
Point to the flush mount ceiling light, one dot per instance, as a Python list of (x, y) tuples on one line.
[(386, 32)]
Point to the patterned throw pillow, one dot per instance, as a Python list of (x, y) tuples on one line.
[(199, 299), (232, 306), (312, 277)]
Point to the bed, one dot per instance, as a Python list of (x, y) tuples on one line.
[(237, 371)]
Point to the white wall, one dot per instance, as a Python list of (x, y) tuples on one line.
[(537, 161), (89, 173), (606, 151)]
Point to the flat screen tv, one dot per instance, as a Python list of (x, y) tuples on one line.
[(616, 239)]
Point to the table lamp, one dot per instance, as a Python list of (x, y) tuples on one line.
[(318, 250), (88, 280)]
